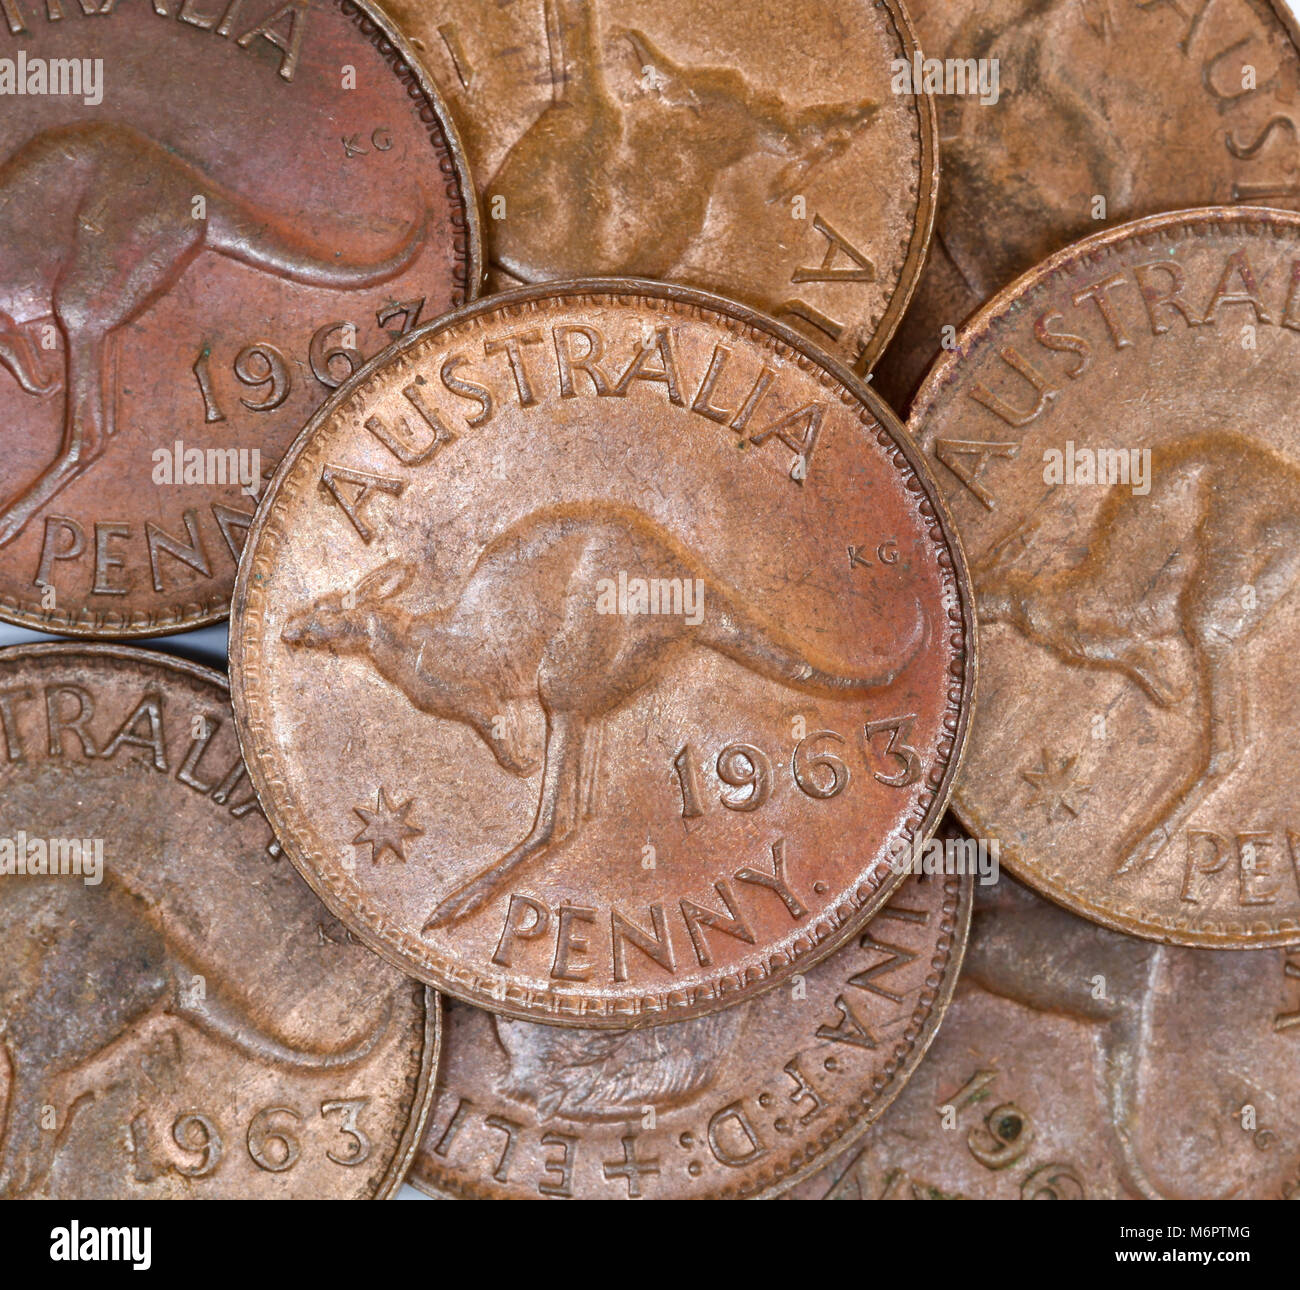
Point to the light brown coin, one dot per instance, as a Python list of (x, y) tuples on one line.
[(1106, 110), (1118, 438), (217, 212), (1078, 1064), (760, 152), (595, 650), (182, 1018), (738, 1104)]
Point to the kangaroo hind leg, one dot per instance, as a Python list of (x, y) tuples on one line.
[(557, 817), (29, 1146), (1218, 753), (85, 427)]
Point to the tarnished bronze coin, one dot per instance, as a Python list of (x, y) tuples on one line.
[(179, 1016), (1060, 116), (765, 152), (592, 650), (740, 1103), (1078, 1064), (209, 212), (1117, 433)]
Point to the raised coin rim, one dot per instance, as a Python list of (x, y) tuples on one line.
[(257, 759), (941, 375), (474, 272), (431, 1050)]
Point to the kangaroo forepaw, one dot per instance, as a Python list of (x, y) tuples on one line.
[(460, 904)]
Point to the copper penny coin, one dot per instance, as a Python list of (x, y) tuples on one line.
[(182, 1017), (1078, 1064), (1118, 439), (1101, 112), (737, 1104), (593, 649), (208, 215), (763, 153)]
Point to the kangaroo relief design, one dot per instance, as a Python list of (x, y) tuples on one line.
[(986, 180), (1057, 977), (525, 633), (1161, 595), (600, 1075), (64, 937), (574, 177), (97, 224)]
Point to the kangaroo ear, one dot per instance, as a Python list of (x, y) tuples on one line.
[(385, 582)]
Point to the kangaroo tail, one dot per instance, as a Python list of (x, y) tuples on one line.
[(217, 1019), (747, 639), (240, 233)]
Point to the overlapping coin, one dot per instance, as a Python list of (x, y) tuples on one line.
[(769, 153), (182, 1018), (210, 213), (737, 1104), (1060, 116), (596, 651), (1118, 439), (1079, 1064)]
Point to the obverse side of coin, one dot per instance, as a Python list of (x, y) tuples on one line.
[(763, 152), (1073, 115), (736, 1104), (1079, 1064), (208, 221), (1117, 432), (182, 1018), (598, 650)]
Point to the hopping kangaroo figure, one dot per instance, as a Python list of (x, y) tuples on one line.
[(1174, 584), (525, 631), (1057, 977), (576, 173), (98, 224), (69, 943)]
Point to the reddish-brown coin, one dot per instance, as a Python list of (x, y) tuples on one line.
[(209, 213), (742, 1103), (1117, 432), (182, 1018), (1071, 114), (594, 647), (1079, 1064), (765, 153)]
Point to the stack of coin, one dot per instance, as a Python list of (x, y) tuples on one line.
[(603, 645)]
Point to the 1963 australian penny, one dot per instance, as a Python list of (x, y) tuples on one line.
[(1117, 435), (760, 151), (740, 1103), (1102, 111), (182, 1018), (1079, 1064), (209, 213), (593, 648)]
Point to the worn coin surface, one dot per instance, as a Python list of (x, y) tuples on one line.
[(1101, 111), (182, 1017), (1117, 435), (1078, 1064), (739, 1103), (207, 217), (595, 650), (764, 152)]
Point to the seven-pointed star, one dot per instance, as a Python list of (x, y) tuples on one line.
[(387, 827), (1055, 785)]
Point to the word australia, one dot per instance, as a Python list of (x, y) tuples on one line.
[(575, 361)]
